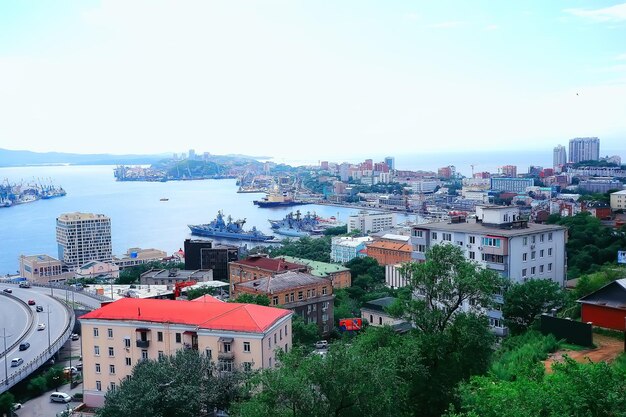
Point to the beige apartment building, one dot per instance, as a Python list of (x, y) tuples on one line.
[(42, 268), (618, 200), (120, 334), (83, 237)]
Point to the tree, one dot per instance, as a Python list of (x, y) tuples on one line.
[(37, 385), (131, 275), (305, 247), (260, 299), (185, 384), (524, 302), (193, 293), (6, 402), (55, 377), (444, 282), (303, 334)]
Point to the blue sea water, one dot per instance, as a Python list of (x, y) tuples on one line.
[(138, 217)]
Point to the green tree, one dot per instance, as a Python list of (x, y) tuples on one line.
[(444, 282), (260, 299), (185, 384), (131, 275), (303, 334), (37, 386), (314, 249), (524, 302), (193, 293), (6, 402), (55, 377)]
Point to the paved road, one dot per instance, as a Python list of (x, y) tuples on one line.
[(55, 324), (13, 319)]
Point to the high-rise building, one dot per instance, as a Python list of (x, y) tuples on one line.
[(391, 162), (192, 154), (559, 157), (509, 171), (83, 237), (584, 149)]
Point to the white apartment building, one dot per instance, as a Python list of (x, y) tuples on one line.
[(371, 222), (618, 200), (344, 249), (83, 237), (500, 240)]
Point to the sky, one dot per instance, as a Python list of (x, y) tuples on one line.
[(311, 79)]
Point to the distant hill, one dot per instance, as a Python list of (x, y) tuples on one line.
[(18, 158)]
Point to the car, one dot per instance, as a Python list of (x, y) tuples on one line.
[(72, 369), (74, 336), (16, 406), (39, 309), (41, 326), (79, 366), (321, 344), (31, 302), (16, 362), (24, 346), (8, 290), (60, 397), (24, 284)]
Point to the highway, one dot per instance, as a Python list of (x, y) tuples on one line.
[(14, 319), (56, 317)]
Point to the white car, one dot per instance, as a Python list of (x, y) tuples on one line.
[(16, 406), (73, 369), (16, 362), (60, 397), (41, 326), (321, 344)]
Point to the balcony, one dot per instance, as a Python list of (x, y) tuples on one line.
[(226, 356), (143, 344)]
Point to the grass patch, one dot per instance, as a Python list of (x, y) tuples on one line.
[(615, 334), (576, 348)]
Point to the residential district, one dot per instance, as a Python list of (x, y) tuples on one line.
[(339, 295)]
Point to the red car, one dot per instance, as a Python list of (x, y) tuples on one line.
[(31, 302)]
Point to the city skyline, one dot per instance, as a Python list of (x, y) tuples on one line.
[(259, 79)]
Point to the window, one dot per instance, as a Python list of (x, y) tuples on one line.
[(98, 386), (524, 272), (178, 338), (97, 368), (111, 351), (549, 267), (472, 255), (159, 336), (549, 251), (112, 369), (308, 293), (433, 235), (291, 297), (113, 386), (208, 353), (313, 292), (324, 290), (96, 350), (110, 333), (525, 241), (285, 330), (532, 255), (447, 237), (226, 347), (541, 252), (541, 269), (524, 257), (95, 332), (542, 237), (532, 239), (269, 342), (247, 366), (246, 346), (281, 334), (495, 322), (324, 317), (275, 300), (225, 366), (286, 298), (127, 342), (498, 259), (275, 338), (300, 295), (129, 362), (144, 354), (550, 236), (490, 241), (472, 240), (418, 233), (380, 321), (532, 270), (371, 318), (421, 248), (161, 355)]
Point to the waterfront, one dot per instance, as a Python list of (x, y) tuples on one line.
[(138, 217)]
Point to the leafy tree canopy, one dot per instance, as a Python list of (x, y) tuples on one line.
[(524, 302)]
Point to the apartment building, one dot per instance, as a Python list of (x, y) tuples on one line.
[(368, 222), (338, 275), (308, 296), (502, 241), (618, 200), (259, 266), (584, 149), (343, 249), (388, 252), (83, 237), (515, 185), (42, 268), (120, 334), (204, 254)]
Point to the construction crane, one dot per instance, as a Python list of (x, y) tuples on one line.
[(180, 285)]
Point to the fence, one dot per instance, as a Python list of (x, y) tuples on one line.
[(34, 364), (572, 331)]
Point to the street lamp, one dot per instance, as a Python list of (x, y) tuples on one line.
[(6, 370), (49, 344)]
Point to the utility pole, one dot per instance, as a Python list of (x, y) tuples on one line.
[(6, 370), (49, 345)]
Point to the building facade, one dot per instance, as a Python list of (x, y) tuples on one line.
[(389, 252), (138, 256), (119, 335), (259, 266), (375, 314), (339, 275), (343, 249), (618, 200), (41, 268), (599, 185), (203, 254), (501, 241), (171, 277), (368, 222), (559, 157), (509, 171), (584, 149), (516, 185), (83, 237), (306, 295)]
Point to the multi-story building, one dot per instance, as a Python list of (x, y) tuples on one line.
[(138, 256), (445, 172), (42, 268), (83, 237), (391, 162), (171, 277), (502, 241), (97, 270), (509, 171), (368, 222), (618, 200), (203, 254), (387, 252), (559, 157), (343, 249), (516, 185), (600, 185), (584, 149), (259, 266), (308, 296), (338, 275), (119, 335)]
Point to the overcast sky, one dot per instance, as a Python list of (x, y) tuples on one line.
[(323, 79)]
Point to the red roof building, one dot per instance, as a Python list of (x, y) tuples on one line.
[(255, 267), (606, 307)]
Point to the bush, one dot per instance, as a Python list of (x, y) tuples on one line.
[(37, 386), (521, 356)]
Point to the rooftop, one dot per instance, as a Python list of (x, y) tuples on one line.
[(319, 269), (117, 292), (622, 192), (611, 295), (40, 258), (379, 304), (174, 273), (212, 316), (389, 245), (268, 264), (81, 216), (350, 241), (282, 282), (479, 228)]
